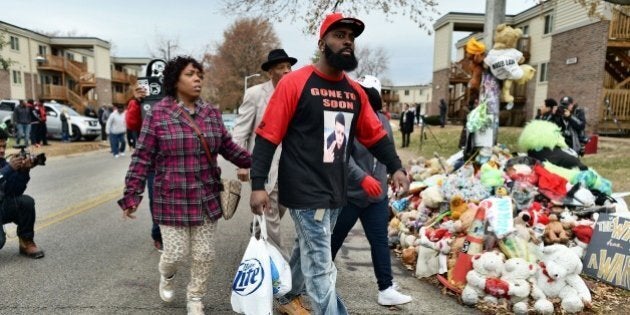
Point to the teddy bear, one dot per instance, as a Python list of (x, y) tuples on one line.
[(554, 232), (439, 241), (475, 51), (504, 59), (559, 277), (517, 273), (458, 230), (392, 232), (485, 266), (458, 206)]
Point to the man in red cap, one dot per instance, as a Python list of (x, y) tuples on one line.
[(312, 179)]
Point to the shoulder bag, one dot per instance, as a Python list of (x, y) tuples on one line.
[(229, 189)]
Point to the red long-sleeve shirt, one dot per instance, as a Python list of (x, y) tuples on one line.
[(133, 117)]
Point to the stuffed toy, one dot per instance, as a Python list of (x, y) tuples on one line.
[(559, 277), (392, 232), (485, 266), (543, 141), (427, 263), (458, 206), (475, 51), (503, 60), (459, 229), (490, 175), (409, 256), (555, 232), (439, 240), (432, 197), (517, 273)]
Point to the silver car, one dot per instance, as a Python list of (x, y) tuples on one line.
[(82, 126)]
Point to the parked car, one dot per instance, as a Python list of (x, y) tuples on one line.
[(6, 114), (82, 126)]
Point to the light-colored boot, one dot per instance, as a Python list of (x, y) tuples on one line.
[(194, 307), (167, 292)]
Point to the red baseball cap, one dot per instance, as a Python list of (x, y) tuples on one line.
[(337, 19)]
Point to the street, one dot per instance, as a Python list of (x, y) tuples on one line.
[(98, 263)]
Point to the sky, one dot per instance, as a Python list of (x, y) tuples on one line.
[(133, 27)]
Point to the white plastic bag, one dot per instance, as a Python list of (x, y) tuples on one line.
[(280, 272), (252, 291)]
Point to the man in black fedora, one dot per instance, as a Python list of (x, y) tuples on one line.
[(250, 114)]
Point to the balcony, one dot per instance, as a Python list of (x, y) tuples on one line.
[(390, 97), (54, 92), (619, 29), (120, 98), (121, 77), (617, 114)]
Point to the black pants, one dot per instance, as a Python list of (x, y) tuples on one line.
[(21, 211), (405, 138), (43, 133), (103, 133)]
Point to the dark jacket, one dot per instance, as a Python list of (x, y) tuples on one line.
[(407, 125), (21, 115), (12, 183), (363, 163), (573, 128)]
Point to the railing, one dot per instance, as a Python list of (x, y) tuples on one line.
[(52, 62), (76, 100), (619, 101), (390, 97), (56, 92), (619, 25), (76, 70), (119, 76)]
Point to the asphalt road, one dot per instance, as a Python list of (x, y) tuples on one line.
[(97, 263)]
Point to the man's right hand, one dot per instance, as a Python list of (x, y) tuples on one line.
[(259, 201), (242, 174), (128, 213), (17, 162)]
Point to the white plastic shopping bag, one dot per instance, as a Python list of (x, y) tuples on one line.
[(280, 271), (252, 291)]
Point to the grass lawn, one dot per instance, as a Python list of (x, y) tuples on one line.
[(611, 161)]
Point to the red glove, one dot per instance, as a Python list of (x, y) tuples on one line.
[(371, 186)]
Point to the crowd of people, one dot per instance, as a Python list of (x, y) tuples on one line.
[(29, 118), (570, 118)]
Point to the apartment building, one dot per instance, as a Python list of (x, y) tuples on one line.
[(586, 57), (395, 96), (78, 71)]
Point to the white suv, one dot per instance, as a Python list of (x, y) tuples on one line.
[(6, 113), (82, 126)]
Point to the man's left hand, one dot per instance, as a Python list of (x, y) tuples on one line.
[(401, 182)]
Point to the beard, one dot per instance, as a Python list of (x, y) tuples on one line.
[(339, 61)]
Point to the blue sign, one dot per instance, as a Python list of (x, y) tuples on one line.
[(249, 277)]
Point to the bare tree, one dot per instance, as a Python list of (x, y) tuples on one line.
[(372, 61), (312, 12), (245, 46), (5, 63), (164, 47)]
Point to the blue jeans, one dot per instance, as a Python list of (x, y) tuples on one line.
[(156, 235), (117, 143), (311, 261), (374, 219), (23, 132)]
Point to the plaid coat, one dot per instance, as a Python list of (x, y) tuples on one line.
[(186, 183)]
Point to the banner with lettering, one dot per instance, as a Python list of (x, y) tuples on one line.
[(608, 254)]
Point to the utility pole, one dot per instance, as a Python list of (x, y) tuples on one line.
[(495, 15)]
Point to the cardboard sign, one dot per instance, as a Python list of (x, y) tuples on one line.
[(499, 215), (608, 254)]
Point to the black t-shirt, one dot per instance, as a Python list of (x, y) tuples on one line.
[(305, 111)]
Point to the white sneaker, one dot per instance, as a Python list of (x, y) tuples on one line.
[(194, 307), (122, 153), (166, 289), (390, 296), (116, 156)]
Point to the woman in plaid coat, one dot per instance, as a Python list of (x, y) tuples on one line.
[(186, 189)]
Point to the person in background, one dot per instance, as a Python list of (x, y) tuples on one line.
[(443, 110), (368, 202), (406, 124), (313, 189), (15, 206), (22, 119), (572, 122), (386, 112), (43, 129), (547, 111), (103, 115), (134, 116), (133, 119), (66, 130), (186, 200), (116, 129)]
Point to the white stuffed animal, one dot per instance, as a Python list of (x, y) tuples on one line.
[(486, 265), (517, 273), (441, 246), (559, 277)]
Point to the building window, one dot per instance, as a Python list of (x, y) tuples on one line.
[(542, 70), (406, 92), (525, 29), (69, 56), (17, 77), (15, 43), (84, 59), (548, 24), (42, 50)]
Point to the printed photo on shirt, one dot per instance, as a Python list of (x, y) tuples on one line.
[(336, 130)]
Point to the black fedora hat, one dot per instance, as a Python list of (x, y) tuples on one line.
[(276, 56)]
